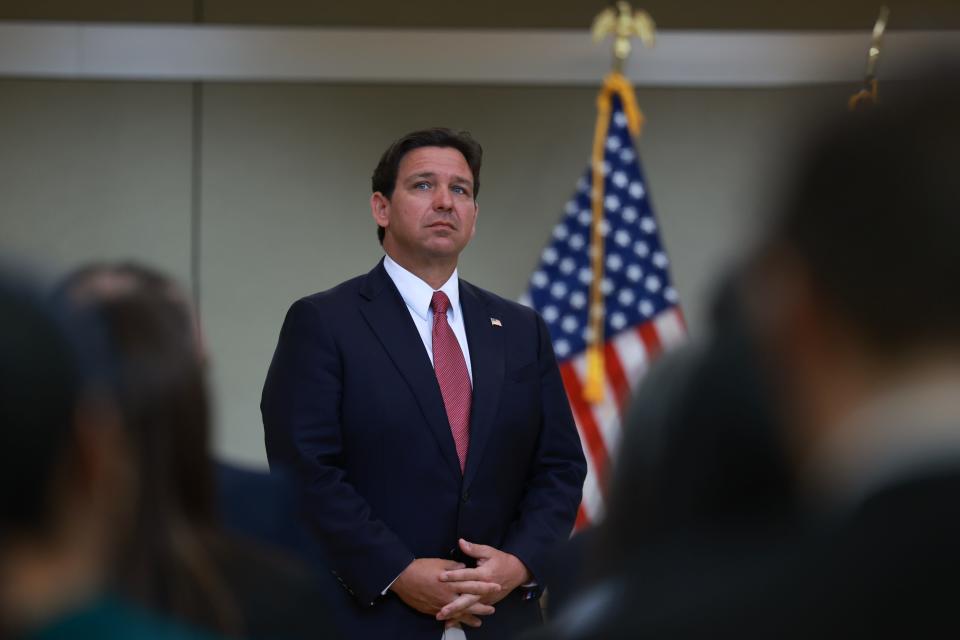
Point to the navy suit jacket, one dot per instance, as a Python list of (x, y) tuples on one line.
[(352, 406)]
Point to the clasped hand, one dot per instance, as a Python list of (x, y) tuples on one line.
[(453, 593)]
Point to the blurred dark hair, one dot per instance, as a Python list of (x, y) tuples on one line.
[(874, 215), (51, 356), (702, 451), (164, 401), (385, 175)]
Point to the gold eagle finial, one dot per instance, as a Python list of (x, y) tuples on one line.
[(624, 23)]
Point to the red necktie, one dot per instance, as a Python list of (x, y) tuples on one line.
[(451, 370)]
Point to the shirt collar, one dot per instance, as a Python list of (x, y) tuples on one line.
[(417, 294)]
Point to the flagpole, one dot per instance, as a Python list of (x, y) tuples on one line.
[(867, 96), (623, 23)]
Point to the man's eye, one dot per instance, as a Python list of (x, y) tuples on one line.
[(422, 186), (460, 190)]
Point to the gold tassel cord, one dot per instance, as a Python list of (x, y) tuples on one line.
[(865, 98), (614, 83), (618, 83)]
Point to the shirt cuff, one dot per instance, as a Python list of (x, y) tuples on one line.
[(384, 592)]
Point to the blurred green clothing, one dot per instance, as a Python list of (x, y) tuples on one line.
[(112, 619)]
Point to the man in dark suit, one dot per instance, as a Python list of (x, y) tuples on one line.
[(425, 418)]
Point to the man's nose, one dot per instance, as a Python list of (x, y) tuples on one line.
[(442, 199)]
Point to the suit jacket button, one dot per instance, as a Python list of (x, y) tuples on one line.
[(466, 497)]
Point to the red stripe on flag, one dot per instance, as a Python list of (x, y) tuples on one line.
[(651, 340), (582, 520), (616, 376), (587, 422), (681, 319)]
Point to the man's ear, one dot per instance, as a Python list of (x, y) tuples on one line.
[(380, 209), (476, 214)]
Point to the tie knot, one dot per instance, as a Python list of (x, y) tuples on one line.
[(440, 303)]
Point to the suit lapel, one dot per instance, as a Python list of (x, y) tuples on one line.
[(487, 362), (388, 316)]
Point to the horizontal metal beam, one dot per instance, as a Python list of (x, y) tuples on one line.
[(276, 54)]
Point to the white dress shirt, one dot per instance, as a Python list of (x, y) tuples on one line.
[(417, 294)]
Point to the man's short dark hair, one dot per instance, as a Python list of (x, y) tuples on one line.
[(875, 217), (385, 175)]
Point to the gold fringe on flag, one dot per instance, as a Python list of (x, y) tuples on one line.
[(614, 84)]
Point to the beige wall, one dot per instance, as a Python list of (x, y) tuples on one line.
[(95, 170), (103, 170)]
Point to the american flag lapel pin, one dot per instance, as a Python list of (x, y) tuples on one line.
[(496, 322)]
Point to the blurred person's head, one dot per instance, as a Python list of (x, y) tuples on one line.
[(66, 480), (854, 291), (720, 463), (162, 389), (702, 451), (164, 401)]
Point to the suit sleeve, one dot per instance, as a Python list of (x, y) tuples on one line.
[(301, 419), (555, 479)]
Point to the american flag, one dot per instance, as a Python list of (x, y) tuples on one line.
[(642, 313)]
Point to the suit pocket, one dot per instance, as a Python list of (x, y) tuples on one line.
[(525, 372)]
